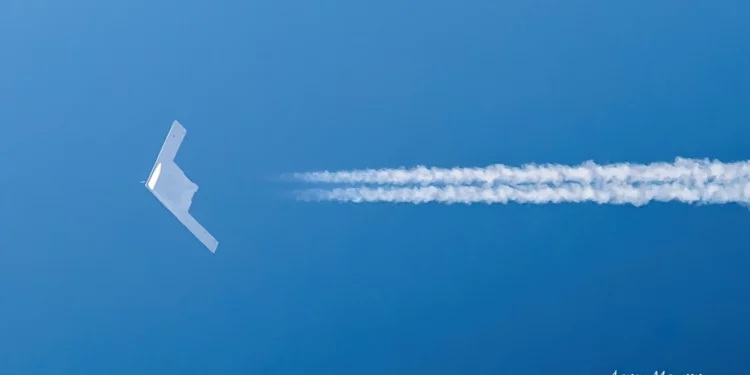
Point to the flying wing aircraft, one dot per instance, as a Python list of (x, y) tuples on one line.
[(173, 189)]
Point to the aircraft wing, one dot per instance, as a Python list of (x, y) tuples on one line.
[(175, 190)]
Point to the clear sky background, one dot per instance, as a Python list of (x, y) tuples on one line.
[(96, 276)]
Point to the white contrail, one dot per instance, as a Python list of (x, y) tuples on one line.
[(611, 193), (698, 171)]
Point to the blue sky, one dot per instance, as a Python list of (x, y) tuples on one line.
[(97, 277)]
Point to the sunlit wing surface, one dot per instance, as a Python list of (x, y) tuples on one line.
[(173, 189)]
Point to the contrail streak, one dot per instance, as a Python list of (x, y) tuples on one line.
[(685, 171), (610, 193)]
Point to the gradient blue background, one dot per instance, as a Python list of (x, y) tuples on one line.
[(97, 277)]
